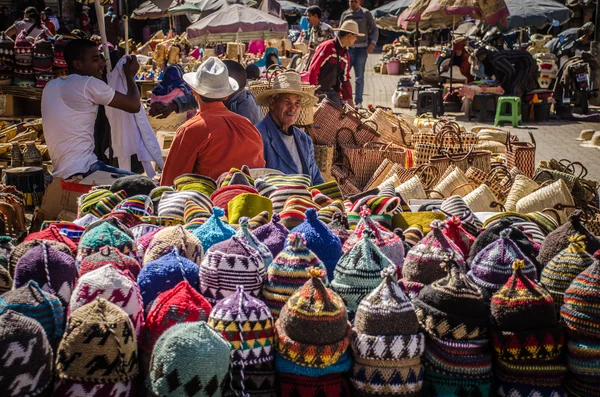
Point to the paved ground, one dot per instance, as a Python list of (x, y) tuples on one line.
[(555, 139)]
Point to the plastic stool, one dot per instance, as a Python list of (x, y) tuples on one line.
[(414, 99), (428, 102), (440, 97), (513, 116), (483, 106)]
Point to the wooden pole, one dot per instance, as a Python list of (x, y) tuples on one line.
[(100, 15), (126, 32)]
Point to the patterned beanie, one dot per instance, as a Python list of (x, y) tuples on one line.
[(103, 235), (53, 270), (41, 306), (382, 208), (139, 205), (321, 241), (308, 386), (165, 273), (70, 230), (99, 345), (195, 182), (358, 272), (27, 246), (128, 219), (172, 204), (235, 177), (144, 242), (564, 267), (288, 272), (273, 235), (458, 235), (583, 356), (326, 213), (109, 256), (100, 202), (413, 236), (259, 380), (23, 76), (27, 356), (171, 237), (114, 285), (182, 304), (53, 234), (246, 236), (492, 267), (313, 328), (113, 221), (247, 204), (190, 359), (213, 231), (195, 214), (228, 264)]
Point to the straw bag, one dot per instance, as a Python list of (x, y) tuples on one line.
[(392, 128), (582, 189), (364, 160), (344, 177), (477, 159), (482, 199), (454, 182), (521, 187), (492, 179), (380, 174), (493, 134), (491, 146), (552, 195), (521, 155), (324, 158), (412, 189), (444, 137)]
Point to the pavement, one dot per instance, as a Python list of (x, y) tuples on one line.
[(555, 139)]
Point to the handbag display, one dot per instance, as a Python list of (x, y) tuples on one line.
[(521, 155), (479, 159)]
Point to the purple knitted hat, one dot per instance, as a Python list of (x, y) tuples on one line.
[(273, 235)]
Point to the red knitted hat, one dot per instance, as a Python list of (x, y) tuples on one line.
[(109, 256), (222, 196), (458, 235), (53, 234)]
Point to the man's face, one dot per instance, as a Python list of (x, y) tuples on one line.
[(285, 108), (90, 63), (312, 19), (354, 5), (349, 40)]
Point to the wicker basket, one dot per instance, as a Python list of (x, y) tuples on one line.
[(412, 189), (482, 199), (392, 128), (454, 182), (522, 186), (324, 159), (550, 196)]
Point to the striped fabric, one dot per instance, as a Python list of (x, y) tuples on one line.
[(107, 203), (195, 182), (222, 196), (382, 208), (195, 213), (140, 205), (281, 194), (162, 221), (330, 189), (326, 213), (67, 229), (320, 198), (290, 218), (455, 205), (172, 204), (259, 220), (284, 180), (235, 174)]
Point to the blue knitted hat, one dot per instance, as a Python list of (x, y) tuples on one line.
[(214, 231), (165, 273), (320, 240)]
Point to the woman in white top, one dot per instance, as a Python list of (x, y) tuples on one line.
[(32, 24)]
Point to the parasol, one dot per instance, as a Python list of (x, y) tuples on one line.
[(183, 9), (149, 10), (392, 9), (414, 14), (536, 13), (289, 7), (490, 11)]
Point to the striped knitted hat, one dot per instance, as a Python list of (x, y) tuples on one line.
[(70, 230), (171, 237), (456, 206), (339, 226), (313, 328), (181, 304), (246, 236), (294, 209), (259, 220), (109, 256), (286, 366), (291, 218), (458, 235), (288, 272), (273, 235), (382, 209), (100, 202), (413, 235), (564, 267), (99, 345), (194, 182), (222, 196), (20, 250), (583, 360), (330, 189), (213, 231), (190, 359), (320, 198), (128, 219), (326, 213), (139, 205), (172, 204), (104, 235), (195, 213), (285, 180), (53, 234), (235, 177)]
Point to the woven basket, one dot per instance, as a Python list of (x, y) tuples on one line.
[(412, 189), (392, 128), (454, 182), (486, 133), (521, 155), (482, 199), (491, 146), (324, 158), (549, 196), (393, 180), (479, 177), (380, 174), (521, 187)]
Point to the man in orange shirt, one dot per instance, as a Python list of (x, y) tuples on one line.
[(215, 139)]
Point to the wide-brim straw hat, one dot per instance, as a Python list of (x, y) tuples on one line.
[(212, 80), (594, 142), (287, 83), (350, 27), (585, 135)]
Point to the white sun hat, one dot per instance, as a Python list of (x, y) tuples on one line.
[(211, 80)]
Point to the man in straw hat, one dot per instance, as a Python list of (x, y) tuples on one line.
[(286, 147), (330, 66), (215, 139)]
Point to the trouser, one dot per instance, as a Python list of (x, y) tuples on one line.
[(101, 166), (358, 61), (332, 95)]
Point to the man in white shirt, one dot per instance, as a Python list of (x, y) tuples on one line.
[(70, 105)]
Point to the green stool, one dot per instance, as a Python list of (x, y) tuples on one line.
[(503, 114)]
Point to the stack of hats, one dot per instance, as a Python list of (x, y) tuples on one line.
[(249, 238), (43, 52), (195, 182), (53, 233), (59, 63), (321, 241), (387, 343), (458, 235), (214, 231), (247, 324), (358, 272), (527, 339), (163, 241), (492, 267), (581, 316), (105, 234), (172, 204), (24, 76), (288, 272), (564, 267), (273, 235), (109, 256), (454, 315), (7, 59), (313, 334), (222, 196), (140, 205), (99, 201)]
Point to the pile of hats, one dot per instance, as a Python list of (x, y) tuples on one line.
[(23, 76), (43, 54), (7, 59), (59, 64)]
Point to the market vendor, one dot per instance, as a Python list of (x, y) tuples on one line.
[(286, 147), (515, 70), (215, 139), (70, 106), (460, 58), (32, 24)]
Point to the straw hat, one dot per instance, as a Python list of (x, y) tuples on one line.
[(585, 135), (212, 80), (287, 83), (350, 27)]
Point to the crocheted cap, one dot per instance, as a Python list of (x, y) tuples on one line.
[(23, 248), (195, 182), (163, 242), (386, 310), (273, 235), (214, 231), (53, 234), (103, 235), (195, 213), (458, 235), (522, 305), (139, 205), (114, 221), (245, 235), (339, 227), (109, 256)]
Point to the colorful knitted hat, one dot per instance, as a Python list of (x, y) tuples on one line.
[(99, 345), (275, 181), (127, 219), (53, 234), (109, 256), (23, 76), (54, 271), (522, 305), (113, 221), (280, 194), (236, 177), (288, 272), (339, 227), (163, 242), (43, 52), (291, 218), (382, 208), (582, 297), (194, 182), (222, 196), (564, 267), (140, 231), (214, 231), (229, 264), (326, 213), (165, 273), (182, 304), (70, 230), (195, 213), (139, 205), (258, 380), (41, 306), (327, 385), (313, 328), (247, 204), (100, 202), (456, 206), (27, 356), (27, 246), (273, 235), (413, 235), (285, 366), (452, 307), (259, 220), (172, 203), (68, 388), (144, 242), (458, 235), (246, 236), (321, 241), (114, 285), (330, 189), (133, 185), (105, 235), (190, 359), (320, 198), (492, 267)]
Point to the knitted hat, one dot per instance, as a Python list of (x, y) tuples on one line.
[(288, 272), (99, 345), (53, 234), (327, 212), (285, 366), (259, 220), (292, 218), (339, 227), (173, 203), (452, 307), (171, 237), (27, 356), (103, 235), (558, 240), (228, 264), (274, 181), (527, 346), (235, 177), (256, 380), (247, 204), (492, 267), (190, 359), (23, 76), (41, 306), (413, 235), (313, 328), (144, 242), (53, 270), (195, 182), (564, 267), (140, 231), (100, 202), (7, 59), (213, 231), (320, 198), (273, 235), (6, 281), (114, 285), (136, 205), (458, 235), (42, 60), (109, 256), (133, 185), (128, 219), (280, 194), (6, 249), (382, 208), (70, 230), (328, 385), (68, 388), (182, 304), (165, 273), (579, 311), (113, 221), (246, 236), (522, 305), (330, 189), (194, 212), (321, 241), (27, 246), (456, 206), (222, 196)]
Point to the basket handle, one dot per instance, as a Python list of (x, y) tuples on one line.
[(401, 130), (461, 186), (273, 68), (337, 136), (553, 212), (583, 171), (421, 170), (495, 204), (532, 138), (429, 191), (457, 159)]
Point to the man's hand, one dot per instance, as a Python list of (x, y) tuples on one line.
[(131, 66), (162, 110), (370, 48)]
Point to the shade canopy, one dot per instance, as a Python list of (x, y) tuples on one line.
[(392, 9), (536, 13), (289, 7)]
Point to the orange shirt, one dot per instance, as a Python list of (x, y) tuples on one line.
[(211, 143)]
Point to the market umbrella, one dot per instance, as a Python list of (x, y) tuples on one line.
[(183, 9), (149, 10), (536, 13), (289, 7), (392, 9), (490, 11), (414, 14), (163, 4)]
